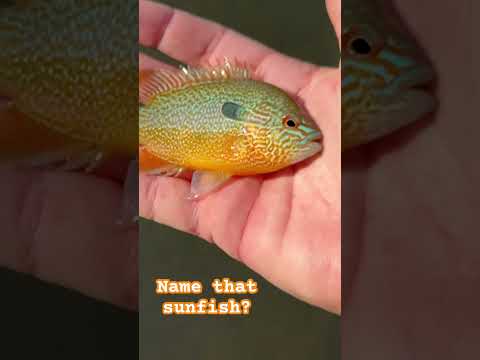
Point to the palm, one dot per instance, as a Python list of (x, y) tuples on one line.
[(410, 249), (285, 226)]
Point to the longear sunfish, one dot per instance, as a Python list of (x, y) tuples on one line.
[(220, 122)]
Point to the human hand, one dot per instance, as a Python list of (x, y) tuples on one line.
[(60, 228), (409, 232), (285, 226)]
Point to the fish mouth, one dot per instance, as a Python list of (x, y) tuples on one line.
[(421, 88), (310, 150), (312, 145), (419, 79), (415, 88), (318, 137), (314, 137), (409, 98)]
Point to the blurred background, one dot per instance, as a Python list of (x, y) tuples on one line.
[(279, 327)]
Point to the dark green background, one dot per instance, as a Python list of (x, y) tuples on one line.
[(280, 327), (301, 29)]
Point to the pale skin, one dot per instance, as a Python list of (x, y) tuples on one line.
[(410, 224), (396, 317), (286, 225)]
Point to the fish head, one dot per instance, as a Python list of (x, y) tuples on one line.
[(298, 134), (290, 135), (386, 77)]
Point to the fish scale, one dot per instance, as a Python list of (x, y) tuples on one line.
[(220, 122), (191, 121), (80, 80)]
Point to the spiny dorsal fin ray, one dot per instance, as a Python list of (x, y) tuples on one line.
[(153, 83)]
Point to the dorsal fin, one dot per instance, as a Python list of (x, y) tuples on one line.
[(153, 83)]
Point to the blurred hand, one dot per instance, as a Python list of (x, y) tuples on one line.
[(61, 228), (410, 227), (285, 226)]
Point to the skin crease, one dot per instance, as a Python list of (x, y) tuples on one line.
[(100, 259), (296, 244), (410, 224)]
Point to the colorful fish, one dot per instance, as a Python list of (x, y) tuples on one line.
[(220, 122)]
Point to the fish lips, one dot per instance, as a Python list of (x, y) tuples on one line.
[(421, 78), (408, 99), (410, 106), (419, 94), (418, 102), (313, 144), (414, 90)]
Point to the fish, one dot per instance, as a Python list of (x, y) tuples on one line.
[(386, 76), (69, 69), (217, 122)]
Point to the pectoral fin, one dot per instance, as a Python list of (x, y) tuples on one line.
[(205, 182)]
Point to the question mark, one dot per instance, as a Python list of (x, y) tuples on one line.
[(246, 304)]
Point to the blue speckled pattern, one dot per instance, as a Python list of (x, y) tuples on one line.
[(184, 125)]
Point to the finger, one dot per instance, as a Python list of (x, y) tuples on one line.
[(60, 228), (219, 218), (269, 245), (334, 8), (147, 62), (165, 200), (327, 113), (113, 167), (237, 220), (169, 29)]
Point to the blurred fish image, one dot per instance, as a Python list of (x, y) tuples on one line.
[(386, 77), (68, 77)]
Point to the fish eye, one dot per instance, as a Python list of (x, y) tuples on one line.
[(290, 122), (360, 46)]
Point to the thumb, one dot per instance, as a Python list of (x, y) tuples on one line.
[(334, 8)]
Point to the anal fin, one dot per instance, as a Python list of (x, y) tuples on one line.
[(205, 182)]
